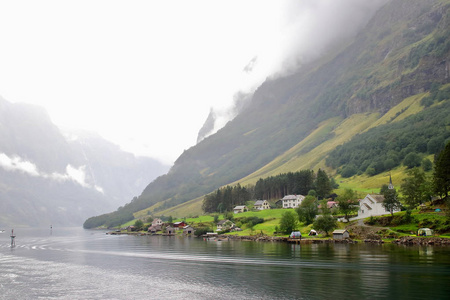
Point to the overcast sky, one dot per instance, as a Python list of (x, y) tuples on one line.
[(144, 74)]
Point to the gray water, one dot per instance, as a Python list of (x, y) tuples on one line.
[(72, 263)]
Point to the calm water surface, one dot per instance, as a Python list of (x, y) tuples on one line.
[(72, 263)]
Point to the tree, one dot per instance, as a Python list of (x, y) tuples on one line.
[(415, 188), (390, 202), (441, 174), (435, 144), (307, 210), (288, 222), (325, 210), (323, 184), (348, 171), (312, 193), (325, 223), (347, 203), (412, 160), (138, 224)]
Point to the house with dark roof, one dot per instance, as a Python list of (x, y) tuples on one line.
[(261, 205), (240, 209)]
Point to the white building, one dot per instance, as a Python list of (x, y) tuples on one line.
[(372, 205), (157, 222), (292, 201), (261, 204), (240, 209)]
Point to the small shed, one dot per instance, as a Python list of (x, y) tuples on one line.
[(424, 232), (154, 228), (340, 234), (170, 230), (188, 230)]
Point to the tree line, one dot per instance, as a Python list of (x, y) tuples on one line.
[(274, 187)]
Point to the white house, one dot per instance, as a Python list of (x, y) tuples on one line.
[(372, 205), (157, 222), (261, 204), (292, 201)]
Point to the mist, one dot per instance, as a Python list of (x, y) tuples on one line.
[(307, 31), (17, 164)]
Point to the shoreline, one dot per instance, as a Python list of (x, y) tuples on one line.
[(406, 240)]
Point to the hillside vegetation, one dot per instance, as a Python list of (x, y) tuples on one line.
[(375, 101)]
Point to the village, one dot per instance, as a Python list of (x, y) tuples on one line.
[(360, 225)]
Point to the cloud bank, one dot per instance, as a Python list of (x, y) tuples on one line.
[(17, 164), (307, 30)]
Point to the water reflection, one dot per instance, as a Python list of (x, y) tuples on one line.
[(73, 261)]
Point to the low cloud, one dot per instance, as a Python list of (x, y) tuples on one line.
[(17, 164), (307, 30)]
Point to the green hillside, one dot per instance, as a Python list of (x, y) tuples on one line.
[(375, 85)]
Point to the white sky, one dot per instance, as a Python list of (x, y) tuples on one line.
[(144, 74)]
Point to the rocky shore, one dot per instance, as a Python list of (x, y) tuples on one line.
[(423, 241), (406, 240), (263, 238)]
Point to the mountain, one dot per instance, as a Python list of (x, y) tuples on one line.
[(50, 177), (295, 122)]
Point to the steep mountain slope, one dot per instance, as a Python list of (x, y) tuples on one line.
[(46, 178), (401, 53)]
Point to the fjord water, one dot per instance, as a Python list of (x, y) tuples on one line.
[(73, 263)]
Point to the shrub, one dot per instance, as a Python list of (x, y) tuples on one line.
[(348, 171), (427, 165), (202, 230), (427, 101)]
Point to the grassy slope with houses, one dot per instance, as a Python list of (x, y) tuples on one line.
[(296, 158), (291, 160), (385, 227)]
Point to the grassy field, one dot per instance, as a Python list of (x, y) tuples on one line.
[(438, 221)]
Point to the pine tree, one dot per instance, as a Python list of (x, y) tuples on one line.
[(441, 175), (323, 184)]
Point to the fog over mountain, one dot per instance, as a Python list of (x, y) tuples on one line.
[(51, 177), (384, 90), (310, 30)]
